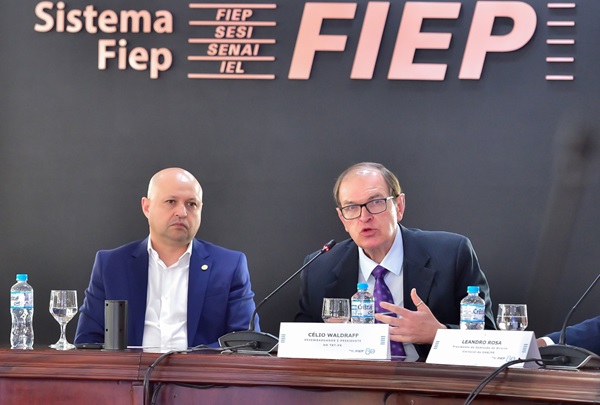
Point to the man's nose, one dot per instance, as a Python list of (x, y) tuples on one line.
[(365, 215), (180, 211)]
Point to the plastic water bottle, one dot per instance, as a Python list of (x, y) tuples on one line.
[(21, 309), (363, 305), (472, 310)]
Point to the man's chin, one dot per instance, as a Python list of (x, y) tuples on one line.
[(181, 238), (180, 235), (368, 240), (369, 244)]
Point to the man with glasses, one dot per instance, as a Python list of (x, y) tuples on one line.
[(424, 273)]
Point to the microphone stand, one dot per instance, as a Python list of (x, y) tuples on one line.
[(564, 356), (263, 342)]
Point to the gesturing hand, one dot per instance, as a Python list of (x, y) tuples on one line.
[(418, 326)]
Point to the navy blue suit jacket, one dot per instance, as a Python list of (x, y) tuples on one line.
[(440, 265), (585, 335), (220, 299)]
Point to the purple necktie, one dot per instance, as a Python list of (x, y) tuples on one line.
[(381, 292)]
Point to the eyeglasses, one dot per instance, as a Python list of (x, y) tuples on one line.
[(376, 206)]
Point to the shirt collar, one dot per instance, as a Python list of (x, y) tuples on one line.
[(154, 253)]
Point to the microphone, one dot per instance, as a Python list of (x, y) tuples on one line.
[(563, 356), (262, 341)]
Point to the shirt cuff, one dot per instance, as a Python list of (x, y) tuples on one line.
[(547, 340)]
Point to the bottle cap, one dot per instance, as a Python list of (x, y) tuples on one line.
[(21, 277), (473, 289), (362, 286)]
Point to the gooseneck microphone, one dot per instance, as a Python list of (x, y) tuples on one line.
[(262, 341), (564, 356)]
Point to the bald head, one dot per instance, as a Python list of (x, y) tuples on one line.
[(173, 175)]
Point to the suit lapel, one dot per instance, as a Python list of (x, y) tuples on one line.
[(138, 288), (416, 273), (201, 267)]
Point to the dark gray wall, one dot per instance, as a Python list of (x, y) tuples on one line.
[(78, 146)]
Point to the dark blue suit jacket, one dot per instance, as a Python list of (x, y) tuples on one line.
[(585, 335), (220, 299), (440, 265)]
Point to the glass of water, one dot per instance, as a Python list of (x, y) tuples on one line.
[(63, 307), (336, 310), (512, 316)]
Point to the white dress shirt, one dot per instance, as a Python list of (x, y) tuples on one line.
[(165, 325), (394, 279)]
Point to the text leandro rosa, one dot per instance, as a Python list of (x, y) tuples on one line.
[(481, 342)]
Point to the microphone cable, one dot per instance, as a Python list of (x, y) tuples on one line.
[(146, 383), (490, 377)]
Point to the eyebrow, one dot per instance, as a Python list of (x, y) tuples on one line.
[(176, 197)]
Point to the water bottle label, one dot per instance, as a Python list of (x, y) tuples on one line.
[(20, 299), (361, 309), (472, 313)]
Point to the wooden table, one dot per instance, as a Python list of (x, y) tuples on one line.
[(88, 377)]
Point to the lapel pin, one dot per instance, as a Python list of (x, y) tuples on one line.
[(204, 267)]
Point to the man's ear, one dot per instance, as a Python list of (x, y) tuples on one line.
[(145, 206), (400, 206)]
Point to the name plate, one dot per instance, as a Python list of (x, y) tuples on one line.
[(339, 341), (488, 348)]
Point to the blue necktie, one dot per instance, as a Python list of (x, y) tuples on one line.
[(381, 292)]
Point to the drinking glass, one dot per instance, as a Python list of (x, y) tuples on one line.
[(512, 316), (336, 310), (63, 307)]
